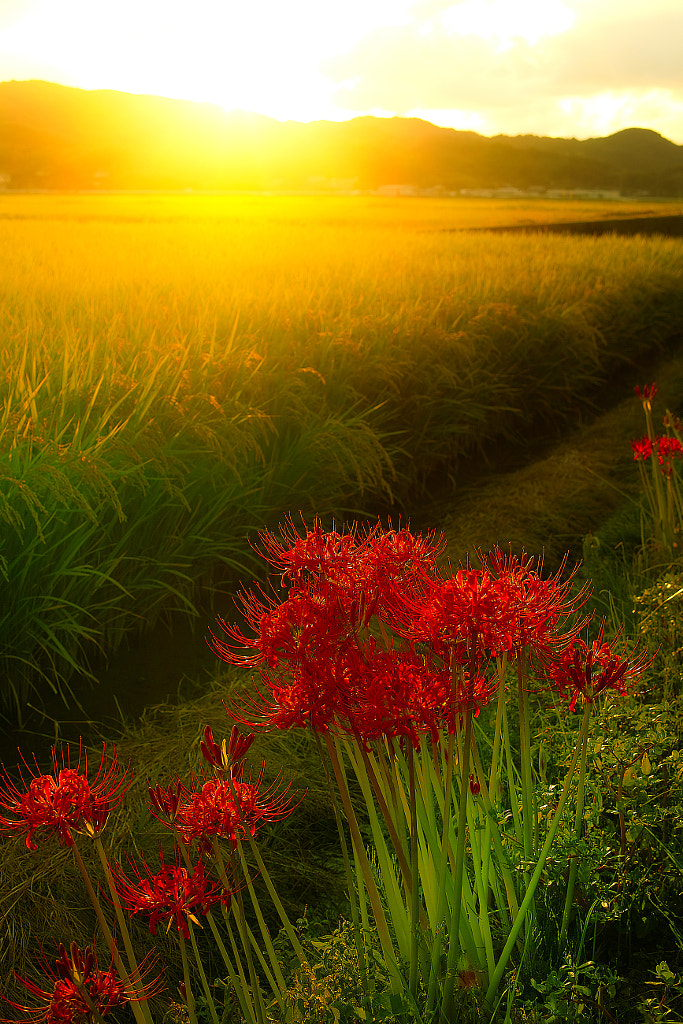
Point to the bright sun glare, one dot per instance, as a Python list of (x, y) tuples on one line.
[(265, 56)]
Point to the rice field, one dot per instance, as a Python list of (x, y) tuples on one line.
[(179, 371)]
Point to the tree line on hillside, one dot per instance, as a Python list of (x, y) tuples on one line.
[(56, 137)]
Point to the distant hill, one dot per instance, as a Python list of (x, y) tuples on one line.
[(56, 137)]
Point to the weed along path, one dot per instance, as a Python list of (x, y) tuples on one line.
[(558, 492)]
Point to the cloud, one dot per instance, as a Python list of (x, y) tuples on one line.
[(611, 61), (619, 49)]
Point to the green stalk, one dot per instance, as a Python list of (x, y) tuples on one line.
[(529, 895), (373, 895), (393, 894), (282, 913), (389, 818), (512, 788), (480, 867), (454, 929), (445, 843), (525, 763), (239, 988), (497, 731), (125, 932), (241, 927), (501, 856), (263, 928), (350, 885), (189, 998), (578, 828), (414, 896), (139, 1012), (202, 975)]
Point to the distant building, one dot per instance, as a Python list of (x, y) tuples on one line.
[(397, 190), (507, 192), (583, 193)]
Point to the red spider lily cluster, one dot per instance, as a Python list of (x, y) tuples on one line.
[(79, 989), (588, 669), (228, 806), (64, 802), (174, 893), (665, 448), (372, 639)]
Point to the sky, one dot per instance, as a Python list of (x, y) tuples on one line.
[(571, 68)]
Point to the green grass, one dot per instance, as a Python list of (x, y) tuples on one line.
[(177, 372)]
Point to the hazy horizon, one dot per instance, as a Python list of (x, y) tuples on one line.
[(242, 111)]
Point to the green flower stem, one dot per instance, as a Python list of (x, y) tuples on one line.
[(239, 985), (497, 731), (392, 889), (528, 897), (525, 766), (241, 927), (202, 975), (512, 788), (480, 867), (578, 827), (414, 896), (282, 913), (189, 998), (279, 985), (373, 895), (140, 1010), (454, 929), (243, 992), (501, 856), (441, 888), (350, 886), (125, 932), (389, 819)]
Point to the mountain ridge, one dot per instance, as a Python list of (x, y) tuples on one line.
[(60, 137)]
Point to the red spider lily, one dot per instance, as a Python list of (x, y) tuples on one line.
[(171, 894), (323, 555), (539, 608), (337, 584), (63, 802), (230, 809), (393, 561), (647, 394), (229, 755), (307, 624), (588, 669), (465, 618), (642, 449), (165, 802), (668, 448), (314, 695), (401, 694), (79, 988)]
